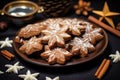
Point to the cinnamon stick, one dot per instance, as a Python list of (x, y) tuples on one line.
[(8, 55), (102, 69), (112, 30), (102, 72)]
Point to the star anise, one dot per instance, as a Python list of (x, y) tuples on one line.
[(82, 7), (81, 47), (31, 46), (57, 55), (3, 25)]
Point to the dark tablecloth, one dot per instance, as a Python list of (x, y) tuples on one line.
[(83, 71)]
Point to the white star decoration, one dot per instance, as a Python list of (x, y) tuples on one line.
[(13, 68), (115, 57), (1, 72), (29, 76), (56, 78), (6, 43)]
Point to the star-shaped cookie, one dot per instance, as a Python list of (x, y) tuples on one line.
[(57, 55), (115, 57), (29, 76), (6, 43), (55, 37), (81, 47), (31, 30), (76, 26), (93, 35), (56, 24), (14, 68), (32, 45)]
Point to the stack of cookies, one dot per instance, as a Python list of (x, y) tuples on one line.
[(58, 40)]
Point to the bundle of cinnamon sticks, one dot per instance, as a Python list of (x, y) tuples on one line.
[(8, 55), (102, 68)]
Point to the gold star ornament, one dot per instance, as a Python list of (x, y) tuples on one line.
[(106, 14)]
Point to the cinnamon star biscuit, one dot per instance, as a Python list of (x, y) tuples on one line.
[(31, 46), (81, 47), (31, 30), (55, 37), (57, 55), (93, 34)]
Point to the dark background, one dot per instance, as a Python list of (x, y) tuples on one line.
[(83, 71)]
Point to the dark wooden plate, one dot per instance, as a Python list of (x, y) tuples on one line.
[(100, 47)]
